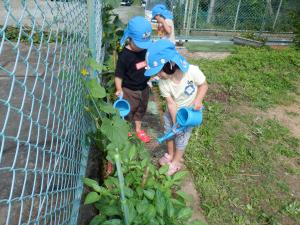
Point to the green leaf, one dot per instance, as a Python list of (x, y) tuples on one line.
[(149, 193), (132, 211), (106, 107), (178, 176), (160, 203), (94, 65), (164, 169), (177, 202), (144, 163), (184, 195), (170, 209), (151, 212), (91, 198), (89, 182), (139, 191), (142, 206), (97, 220), (128, 192), (112, 222), (96, 90), (185, 214), (116, 130), (94, 184), (132, 152), (110, 210)]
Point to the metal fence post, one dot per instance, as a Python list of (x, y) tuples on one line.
[(196, 16), (277, 13), (92, 29), (237, 14)]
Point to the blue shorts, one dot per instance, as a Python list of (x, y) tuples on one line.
[(181, 139)]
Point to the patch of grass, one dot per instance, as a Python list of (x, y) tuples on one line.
[(209, 47), (238, 157), (234, 161), (262, 77)]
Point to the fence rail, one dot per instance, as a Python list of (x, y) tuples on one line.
[(43, 47)]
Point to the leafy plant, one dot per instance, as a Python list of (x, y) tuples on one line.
[(295, 16), (150, 197)]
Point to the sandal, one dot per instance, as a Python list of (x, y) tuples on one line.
[(173, 168), (166, 159), (143, 136)]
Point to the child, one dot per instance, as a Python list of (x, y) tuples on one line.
[(165, 22), (130, 81), (182, 85)]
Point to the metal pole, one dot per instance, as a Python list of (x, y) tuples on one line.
[(92, 29), (196, 17), (211, 10), (189, 20), (277, 13), (185, 14), (237, 14)]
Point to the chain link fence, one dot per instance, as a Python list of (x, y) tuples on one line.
[(267, 16), (43, 47)]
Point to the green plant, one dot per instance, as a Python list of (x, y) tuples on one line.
[(295, 16), (150, 197)]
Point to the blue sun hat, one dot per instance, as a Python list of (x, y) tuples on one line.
[(161, 52), (139, 30), (161, 10)]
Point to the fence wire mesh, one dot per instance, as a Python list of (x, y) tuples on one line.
[(231, 15), (42, 124)]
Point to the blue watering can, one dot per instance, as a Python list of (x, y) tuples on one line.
[(122, 106), (185, 117)]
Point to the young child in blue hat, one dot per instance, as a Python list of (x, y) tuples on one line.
[(182, 85), (130, 81), (165, 22)]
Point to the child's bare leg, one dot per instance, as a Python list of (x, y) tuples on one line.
[(177, 156), (171, 148), (138, 126)]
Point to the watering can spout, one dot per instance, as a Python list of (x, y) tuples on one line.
[(169, 135)]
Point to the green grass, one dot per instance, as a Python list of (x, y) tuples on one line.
[(262, 77), (239, 159), (209, 47)]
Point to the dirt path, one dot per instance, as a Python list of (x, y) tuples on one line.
[(202, 55), (153, 124)]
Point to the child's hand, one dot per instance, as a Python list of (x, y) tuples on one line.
[(159, 19), (198, 105), (119, 93)]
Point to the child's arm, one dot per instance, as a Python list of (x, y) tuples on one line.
[(165, 25), (198, 102), (118, 84), (172, 108)]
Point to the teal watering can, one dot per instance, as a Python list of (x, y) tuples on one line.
[(185, 117), (122, 106)]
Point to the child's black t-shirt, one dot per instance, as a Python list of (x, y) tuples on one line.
[(131, 68)]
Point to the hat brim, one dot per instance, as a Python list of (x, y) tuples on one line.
[(153, 71), (142, 44), (181, 62)]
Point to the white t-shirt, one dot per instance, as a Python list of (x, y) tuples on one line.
[(183, 93)]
